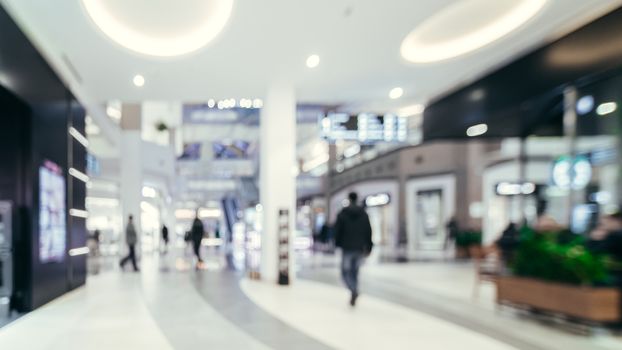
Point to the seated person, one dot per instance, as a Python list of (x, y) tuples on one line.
[(545, 222), (606, 238), (508, 242)]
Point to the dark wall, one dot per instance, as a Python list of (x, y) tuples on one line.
[(77, 233), (49, 142), (36, 110), (15, 179)]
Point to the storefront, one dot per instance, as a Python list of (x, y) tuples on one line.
[(430, 205), (43, 162), (565, 109)]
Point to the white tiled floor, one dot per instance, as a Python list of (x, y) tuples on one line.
[(164, 307), (322, 312), (109, 314), (152, 310)]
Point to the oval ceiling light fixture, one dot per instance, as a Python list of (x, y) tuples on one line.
[(466, 26), (162, 28), (606, 108), (313, 61), (477, 130), (396, 93)]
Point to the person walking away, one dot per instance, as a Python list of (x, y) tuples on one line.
[(197, 232), (353, 235), (165, 237), (130, 238)]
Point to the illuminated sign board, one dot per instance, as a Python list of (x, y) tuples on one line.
[(365, 127), (568, 173), (513, 189), (377, 200), (52, 213)]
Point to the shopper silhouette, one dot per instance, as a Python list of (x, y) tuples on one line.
[(130, 238), (196, 235), (353, 236), (165, 237)]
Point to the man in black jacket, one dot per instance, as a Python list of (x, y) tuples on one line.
[(353, 236)]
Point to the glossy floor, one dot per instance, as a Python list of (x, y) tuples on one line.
[(171, 306)]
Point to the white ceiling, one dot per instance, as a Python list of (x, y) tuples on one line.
[(266, 40)]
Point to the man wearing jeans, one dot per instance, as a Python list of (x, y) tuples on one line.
[(353, 236)]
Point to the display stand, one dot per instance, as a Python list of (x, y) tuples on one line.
[(283, 235)]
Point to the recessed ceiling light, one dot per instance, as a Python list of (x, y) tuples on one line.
[(396, 93), (466, 26), (585, 104), (137, 25), (606, 108), (313, 61), (477, 130), (139, 80), (477, 95)]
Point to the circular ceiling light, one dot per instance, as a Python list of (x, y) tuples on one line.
[(313, 61), (466, 26), (396, 93), (160, 27), (139, 80)]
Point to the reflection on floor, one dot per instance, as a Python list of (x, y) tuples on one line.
[(170, 305), (322, 312), (445, 290)]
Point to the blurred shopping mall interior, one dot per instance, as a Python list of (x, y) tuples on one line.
[(483, 140)]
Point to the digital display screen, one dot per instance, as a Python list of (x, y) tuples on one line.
[(52, 214), (365, 127), (237, 149)]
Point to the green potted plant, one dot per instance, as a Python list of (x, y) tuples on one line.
[(468, 244), (554, 273), (462, 245), (161, 126)]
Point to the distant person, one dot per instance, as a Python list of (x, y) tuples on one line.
[(196, 235), (606, 238), (353, 236), (130, 238), (325, 234), (452, 231), (96, 242), (217, 230), (508, 243), (322, 238), (97, 236), (165, 237), (545, 222)]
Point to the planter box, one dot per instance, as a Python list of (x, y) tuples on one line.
[(587, 303), (462, 252), (475, 251)]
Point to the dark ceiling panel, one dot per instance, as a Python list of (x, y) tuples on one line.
[(22, 69), (525, 96)]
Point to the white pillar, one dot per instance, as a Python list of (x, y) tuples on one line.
[(277, 183), (131, 167)]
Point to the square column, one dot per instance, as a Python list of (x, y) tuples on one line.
[(131, 165)]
